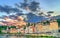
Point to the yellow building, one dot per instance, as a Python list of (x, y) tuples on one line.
[(53, 25), (42, 28), (48, 27)]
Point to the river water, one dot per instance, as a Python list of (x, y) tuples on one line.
[(16, 36), (12, 36), (21, 37)]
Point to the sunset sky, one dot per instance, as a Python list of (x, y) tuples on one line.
[(46, 5)]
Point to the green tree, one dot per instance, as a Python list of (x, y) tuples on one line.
[(58, 20), (28, 24)]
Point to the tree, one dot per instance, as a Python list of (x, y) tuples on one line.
[(58, 20), (28, 24)]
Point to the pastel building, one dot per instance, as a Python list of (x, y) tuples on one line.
[(20, 22), (53, 25), (39, 27), (13, 30), (42, 28)]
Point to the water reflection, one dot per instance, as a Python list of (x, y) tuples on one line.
[(5, 36), (12, 37)]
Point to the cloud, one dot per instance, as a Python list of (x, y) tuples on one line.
[(8, 9), (1, 8), (33, 6), (50, 12)]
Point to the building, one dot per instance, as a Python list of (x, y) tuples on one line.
[(53, 25)]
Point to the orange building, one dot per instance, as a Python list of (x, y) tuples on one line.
[(12, 30), (32, 29), (39, 27), (53, 25)]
